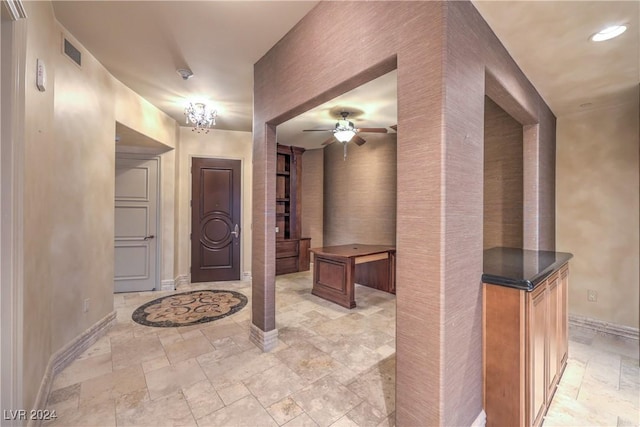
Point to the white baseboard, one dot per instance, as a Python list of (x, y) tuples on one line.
[(605, 327), (481, 420), (67, 354), (246, 275), (168, 285)]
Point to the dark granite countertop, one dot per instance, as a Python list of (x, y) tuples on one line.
[(520, 268)]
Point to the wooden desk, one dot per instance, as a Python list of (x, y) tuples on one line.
[(337, 268)]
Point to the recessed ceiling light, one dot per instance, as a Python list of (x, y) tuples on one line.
[(609, 33)]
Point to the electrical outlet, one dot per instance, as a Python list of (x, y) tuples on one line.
[(592, 296), (85, 305)]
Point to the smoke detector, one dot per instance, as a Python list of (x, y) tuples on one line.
[(185, 73)]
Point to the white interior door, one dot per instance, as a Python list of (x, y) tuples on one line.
[(136, 220)]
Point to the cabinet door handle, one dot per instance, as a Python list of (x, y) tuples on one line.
[(151, 236)]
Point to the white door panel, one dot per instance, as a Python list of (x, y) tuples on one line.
[(136, 221), (127, 262), (131, 222), (132, 184)]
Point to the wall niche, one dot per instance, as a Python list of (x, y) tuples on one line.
[(503, 178)]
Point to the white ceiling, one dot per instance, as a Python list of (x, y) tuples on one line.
[(549, 40), (374, 104), (143, 43)]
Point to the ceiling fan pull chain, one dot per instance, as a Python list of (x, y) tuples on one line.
[(345, 151)]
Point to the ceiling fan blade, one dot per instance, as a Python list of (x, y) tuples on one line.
[(394, 127), (316, 130), (356, 139), (373, 130), (329, 141)]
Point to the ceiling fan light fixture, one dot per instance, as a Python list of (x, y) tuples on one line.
[(609, 33), (344, 131), (344, 135)]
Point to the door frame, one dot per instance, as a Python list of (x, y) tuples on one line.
[(11, 222), (242, 207), (158, 231)]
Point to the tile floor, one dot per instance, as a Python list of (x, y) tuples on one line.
[(332, 367), (601, 383)]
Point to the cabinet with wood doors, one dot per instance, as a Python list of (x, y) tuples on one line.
[(292, 250), (525, 344)]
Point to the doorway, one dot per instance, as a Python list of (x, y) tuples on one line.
[(136, 224), (345, 201), (13, 27), (215, 219)]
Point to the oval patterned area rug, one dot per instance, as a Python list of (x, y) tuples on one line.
[(189, 308)]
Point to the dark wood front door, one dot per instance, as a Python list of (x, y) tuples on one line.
[(215, 220)]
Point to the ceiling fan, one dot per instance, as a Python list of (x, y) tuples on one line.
[(345, 131)]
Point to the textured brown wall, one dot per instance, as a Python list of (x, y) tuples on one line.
[(440, 170), (360, 193), (472, 53), (503, 186), (312, 196), (547, 180), (293, 77)]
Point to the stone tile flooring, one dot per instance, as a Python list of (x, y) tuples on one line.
[(601, 383), (332, 367)]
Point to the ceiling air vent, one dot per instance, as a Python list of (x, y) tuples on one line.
[(73, 53)]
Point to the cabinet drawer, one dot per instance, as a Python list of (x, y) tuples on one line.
[(286, 248), (286, 265)]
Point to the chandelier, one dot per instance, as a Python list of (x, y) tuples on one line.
[(201, 115)]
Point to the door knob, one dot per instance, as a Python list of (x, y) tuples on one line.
[(236, 231)]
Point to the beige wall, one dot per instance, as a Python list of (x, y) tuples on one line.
[(80, 176), (41, 154), (218, 144), (503, 182), (168, 214), (597, 211), (69, 191), (137, 113), (360, 192), (312, 195)]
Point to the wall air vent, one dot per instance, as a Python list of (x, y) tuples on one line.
[(73, 53)]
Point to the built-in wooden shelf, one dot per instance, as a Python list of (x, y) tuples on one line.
[(292, 251)]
